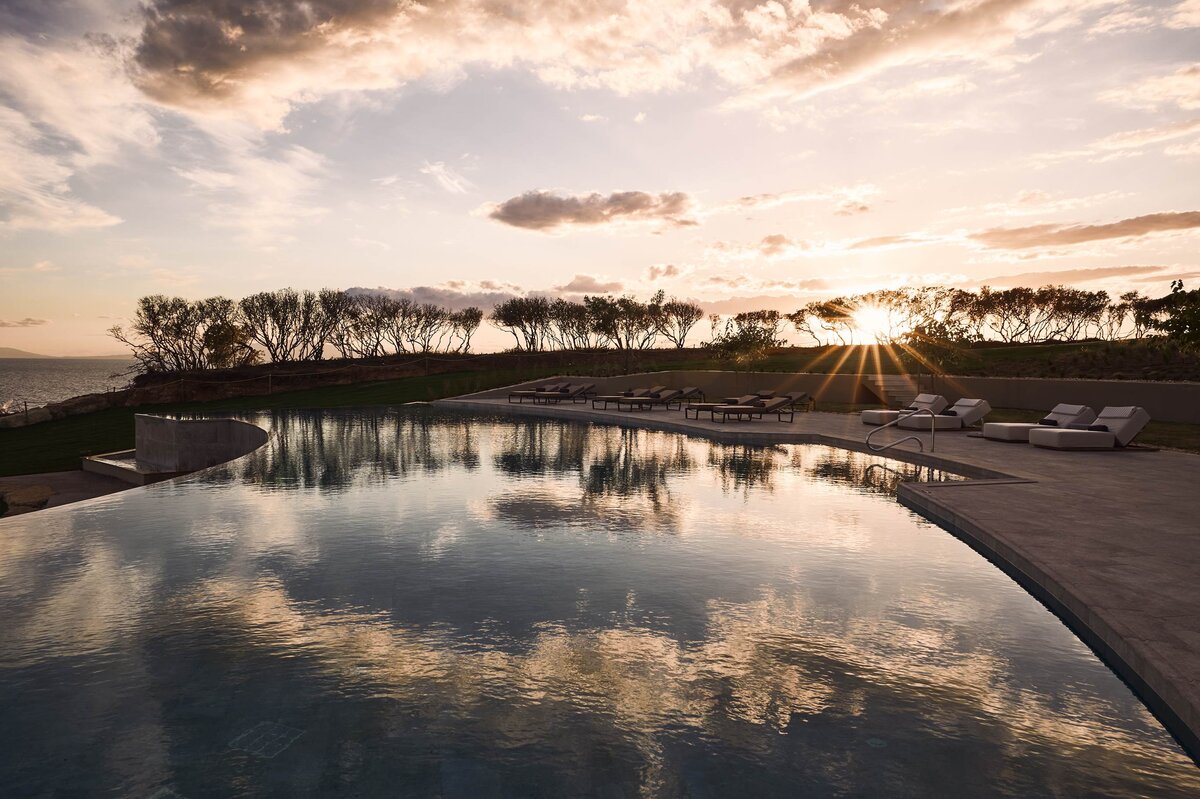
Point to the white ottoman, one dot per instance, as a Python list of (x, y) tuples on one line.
[(879, 416), (1009, 431)]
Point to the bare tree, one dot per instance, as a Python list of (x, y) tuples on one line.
[(173, 334), (677, 319)]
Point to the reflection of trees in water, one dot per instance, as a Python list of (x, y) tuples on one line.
[(610, 461), (539, 447), (742, 467), (614, 467), (332, 450), (627, 462)]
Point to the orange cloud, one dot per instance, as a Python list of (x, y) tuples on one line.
[(1021, 238), (548, 211)]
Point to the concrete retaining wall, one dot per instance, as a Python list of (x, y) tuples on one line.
[(1168, 402), (185, 445)]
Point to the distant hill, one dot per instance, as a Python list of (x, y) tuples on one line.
[(12, 352)]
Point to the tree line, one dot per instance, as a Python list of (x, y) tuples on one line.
[(175, 334), (168, 334), (600, 322), (1018, 315)]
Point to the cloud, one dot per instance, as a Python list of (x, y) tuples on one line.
[(447, 178), (547, 211), (1180, 88), (261, 58), (889, 242), (1170, 275), (1071, 276), (259, 190), (785, 303), (1123, 144), (1185, 15), (847, 200), (662, 272), (1053, 235), (592, 118), (778, 245), (66, 108), (1189, 149), (586, 284), (28, 321), (39, 268), (639, 117), (859, 42), (1125, 20), (455, 295)]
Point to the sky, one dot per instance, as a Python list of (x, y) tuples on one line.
[(742, 154)]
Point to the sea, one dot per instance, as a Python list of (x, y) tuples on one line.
[(40, 381)]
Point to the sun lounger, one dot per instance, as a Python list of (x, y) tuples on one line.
[(579, 392), (965, 413), (690, 394), (876, 417), (1114, 427), (605, 399), (779, 406), (801, 399), (694, 410), (649, 401), (1060, 416), (529, 393)]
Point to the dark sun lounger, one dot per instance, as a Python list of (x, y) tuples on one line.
[(778, 406)]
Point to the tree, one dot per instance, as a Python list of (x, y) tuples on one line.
[(623, 322), (171, 334), (570, 325), (1180, 315), (463, 325), (746, 337), (526, 319), (677, 319), (273, 319)]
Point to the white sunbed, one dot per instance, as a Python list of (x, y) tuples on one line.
[(1061, 416), (876, 417), (964, 413), (1114, 427)]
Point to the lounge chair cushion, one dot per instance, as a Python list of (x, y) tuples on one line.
[(923, 421), (1059, 417), (1123, 423), (878, 416), (1061, 438)]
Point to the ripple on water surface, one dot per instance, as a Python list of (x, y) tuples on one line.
[(416, 604)]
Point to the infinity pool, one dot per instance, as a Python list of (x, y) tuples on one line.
[(411, 603)]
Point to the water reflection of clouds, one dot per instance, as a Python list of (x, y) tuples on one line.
[(763, 664), (786, 619)]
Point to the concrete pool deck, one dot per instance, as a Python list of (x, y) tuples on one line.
[(1110, 541)]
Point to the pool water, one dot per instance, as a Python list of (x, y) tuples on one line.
[(407, 602)]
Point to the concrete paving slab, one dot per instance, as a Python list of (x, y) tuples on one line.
[(1108, 540)]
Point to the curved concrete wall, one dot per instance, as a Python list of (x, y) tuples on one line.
[(185, 445)]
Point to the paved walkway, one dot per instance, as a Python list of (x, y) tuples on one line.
[(29, 492), (1108, 540)]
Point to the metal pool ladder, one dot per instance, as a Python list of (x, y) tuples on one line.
[(896, 421)]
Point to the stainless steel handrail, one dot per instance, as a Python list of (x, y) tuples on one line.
[(896, 421)]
